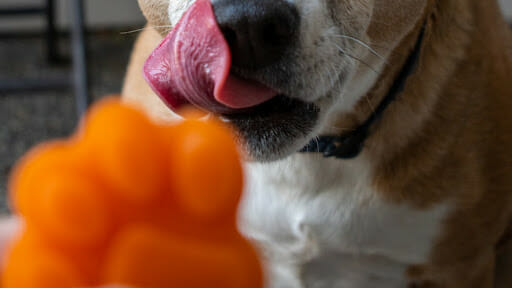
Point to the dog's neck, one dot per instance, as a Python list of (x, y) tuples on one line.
[(391, 133), (350, 145)]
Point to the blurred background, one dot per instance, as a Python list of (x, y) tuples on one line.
[(46, 106), (48, 76)]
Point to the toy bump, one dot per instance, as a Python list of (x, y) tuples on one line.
[(127, 201)]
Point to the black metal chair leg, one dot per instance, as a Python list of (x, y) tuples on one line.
[(51, 32), (80, 76)]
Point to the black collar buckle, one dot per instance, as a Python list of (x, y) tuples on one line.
[(348, 146)]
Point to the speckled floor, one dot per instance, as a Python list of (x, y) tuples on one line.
[(31, 117)]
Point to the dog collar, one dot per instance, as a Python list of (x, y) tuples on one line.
[(350, 145)]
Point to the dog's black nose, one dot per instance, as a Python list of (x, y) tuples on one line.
[(258, 32)]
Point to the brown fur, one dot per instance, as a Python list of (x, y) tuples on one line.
[(447, 138), (155, 12)]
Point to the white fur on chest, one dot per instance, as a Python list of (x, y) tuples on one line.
[(318, 223)]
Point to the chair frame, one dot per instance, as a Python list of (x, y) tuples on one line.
[(79, 80)]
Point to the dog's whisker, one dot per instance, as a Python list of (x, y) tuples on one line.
[(357, 59), (132, 31), (332, 75), (373, 51), (144, 28), (338, 129), (369, 103), (317, 141)]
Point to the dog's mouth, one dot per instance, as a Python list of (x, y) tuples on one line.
[(192, 67)]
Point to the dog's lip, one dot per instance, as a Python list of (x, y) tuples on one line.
[(279, 104)]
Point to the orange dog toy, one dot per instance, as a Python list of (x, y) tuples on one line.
[(126, 201)]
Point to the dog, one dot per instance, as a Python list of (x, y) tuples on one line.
[(386, 158)]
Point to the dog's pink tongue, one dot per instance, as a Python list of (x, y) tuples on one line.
[(191, 66)]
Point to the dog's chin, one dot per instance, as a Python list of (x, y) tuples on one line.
[(276, 128)]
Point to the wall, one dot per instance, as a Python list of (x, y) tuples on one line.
[(99, 14), (507, 8), (109, 14)]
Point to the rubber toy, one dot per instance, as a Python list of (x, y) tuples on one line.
[(127, 201)]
